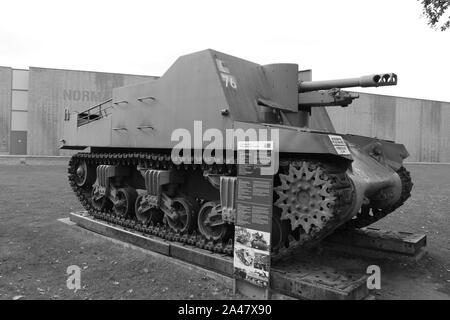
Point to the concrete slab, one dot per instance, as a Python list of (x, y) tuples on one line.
[(294, 278)]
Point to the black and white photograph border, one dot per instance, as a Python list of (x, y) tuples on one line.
[(118, 165)]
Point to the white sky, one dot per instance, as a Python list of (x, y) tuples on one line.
[(336, 39)]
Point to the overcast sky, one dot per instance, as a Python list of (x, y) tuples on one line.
[(336, 39)]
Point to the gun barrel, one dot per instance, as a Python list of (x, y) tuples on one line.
[(375, 80)]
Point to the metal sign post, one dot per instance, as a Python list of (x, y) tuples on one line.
[(254, 219)]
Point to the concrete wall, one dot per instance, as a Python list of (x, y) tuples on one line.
[(52, 90), (5, 108), (422, 125)]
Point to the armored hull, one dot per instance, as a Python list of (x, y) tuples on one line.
[(155, 162)]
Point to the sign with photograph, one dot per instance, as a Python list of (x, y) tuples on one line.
[(254, 213)]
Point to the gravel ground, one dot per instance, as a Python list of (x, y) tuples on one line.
[(426, 212), (36, 249)]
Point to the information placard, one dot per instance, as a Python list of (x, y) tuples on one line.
[(254, 213)]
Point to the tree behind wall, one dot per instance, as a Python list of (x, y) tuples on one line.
[(434, 11)]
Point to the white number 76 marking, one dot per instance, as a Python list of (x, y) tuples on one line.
[(229, 80)]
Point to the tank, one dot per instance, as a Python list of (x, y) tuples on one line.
[(127, 172)]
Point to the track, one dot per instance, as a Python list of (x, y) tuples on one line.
[(332, 210), (369, 215)]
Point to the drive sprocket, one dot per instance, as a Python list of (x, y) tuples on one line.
[(305, 197)]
